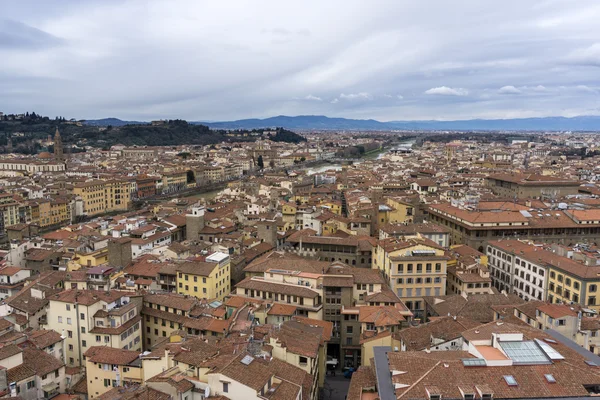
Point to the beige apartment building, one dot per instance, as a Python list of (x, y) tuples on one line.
[(414, 268), (526, 186), (94, 318), (104, 196), (494, 220), (109, 367)]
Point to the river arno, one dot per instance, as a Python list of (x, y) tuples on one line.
[(314, 170)]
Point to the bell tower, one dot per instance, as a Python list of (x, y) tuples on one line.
[(58, 146)]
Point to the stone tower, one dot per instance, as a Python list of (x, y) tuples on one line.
[(58, 146), (267, 232), (194, 222), (119, 252)]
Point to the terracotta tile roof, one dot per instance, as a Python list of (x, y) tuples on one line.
[(298, 338), (394, 244), (326, 325), (194, 352), (171, 300), (179, 382), (528, 308), (207, 323), (533, 179), (44, 338), (287, 289), (338, 281), (88, 297), (40, 361), (412, 229), (109, 355), (539, 255), (197, 268), (168, 316), (385, 296), (590, 324), (476, 307), (380, 316), (178, 220), (448, 374), (9, 351), (254, 374), (10, 271), (5, 324), (282, 309), (362, 379), (558, 310), (19, 373), (361, 275), (285, 261), (147, 266), (365, 243), (134, 393), (445, 328)]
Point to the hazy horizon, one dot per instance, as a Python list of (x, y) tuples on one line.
[(384, 60)]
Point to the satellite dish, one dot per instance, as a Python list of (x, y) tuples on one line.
[(207, 392)]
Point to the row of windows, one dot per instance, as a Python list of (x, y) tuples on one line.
[(410, 281), (277, 296), (418, 292), (186, 277), (567, 280), (163, 322), (419, 269), (172, 310)]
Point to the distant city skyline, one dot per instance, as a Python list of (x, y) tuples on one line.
[(386, 60)]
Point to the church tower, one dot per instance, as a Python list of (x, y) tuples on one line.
[(58, 146)]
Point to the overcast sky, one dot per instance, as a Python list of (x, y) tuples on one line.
[(221, 60)]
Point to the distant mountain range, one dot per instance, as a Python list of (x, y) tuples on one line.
[(113, 122), (320, 122)]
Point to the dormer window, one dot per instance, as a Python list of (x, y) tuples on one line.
[(433, 393), (485, 392)]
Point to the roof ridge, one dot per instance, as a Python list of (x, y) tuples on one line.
[(419, 380)]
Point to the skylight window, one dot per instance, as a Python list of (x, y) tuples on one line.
[(526, 352), (474, 362), (510, 380), (550, 378)]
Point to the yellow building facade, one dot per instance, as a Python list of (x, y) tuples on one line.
[(401, 211), (107, 368), (566, 286), (205, 280), (414, 268), (104, 196)]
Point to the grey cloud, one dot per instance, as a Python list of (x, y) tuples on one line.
[(208, 60), (586, 56), (17, 35)]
